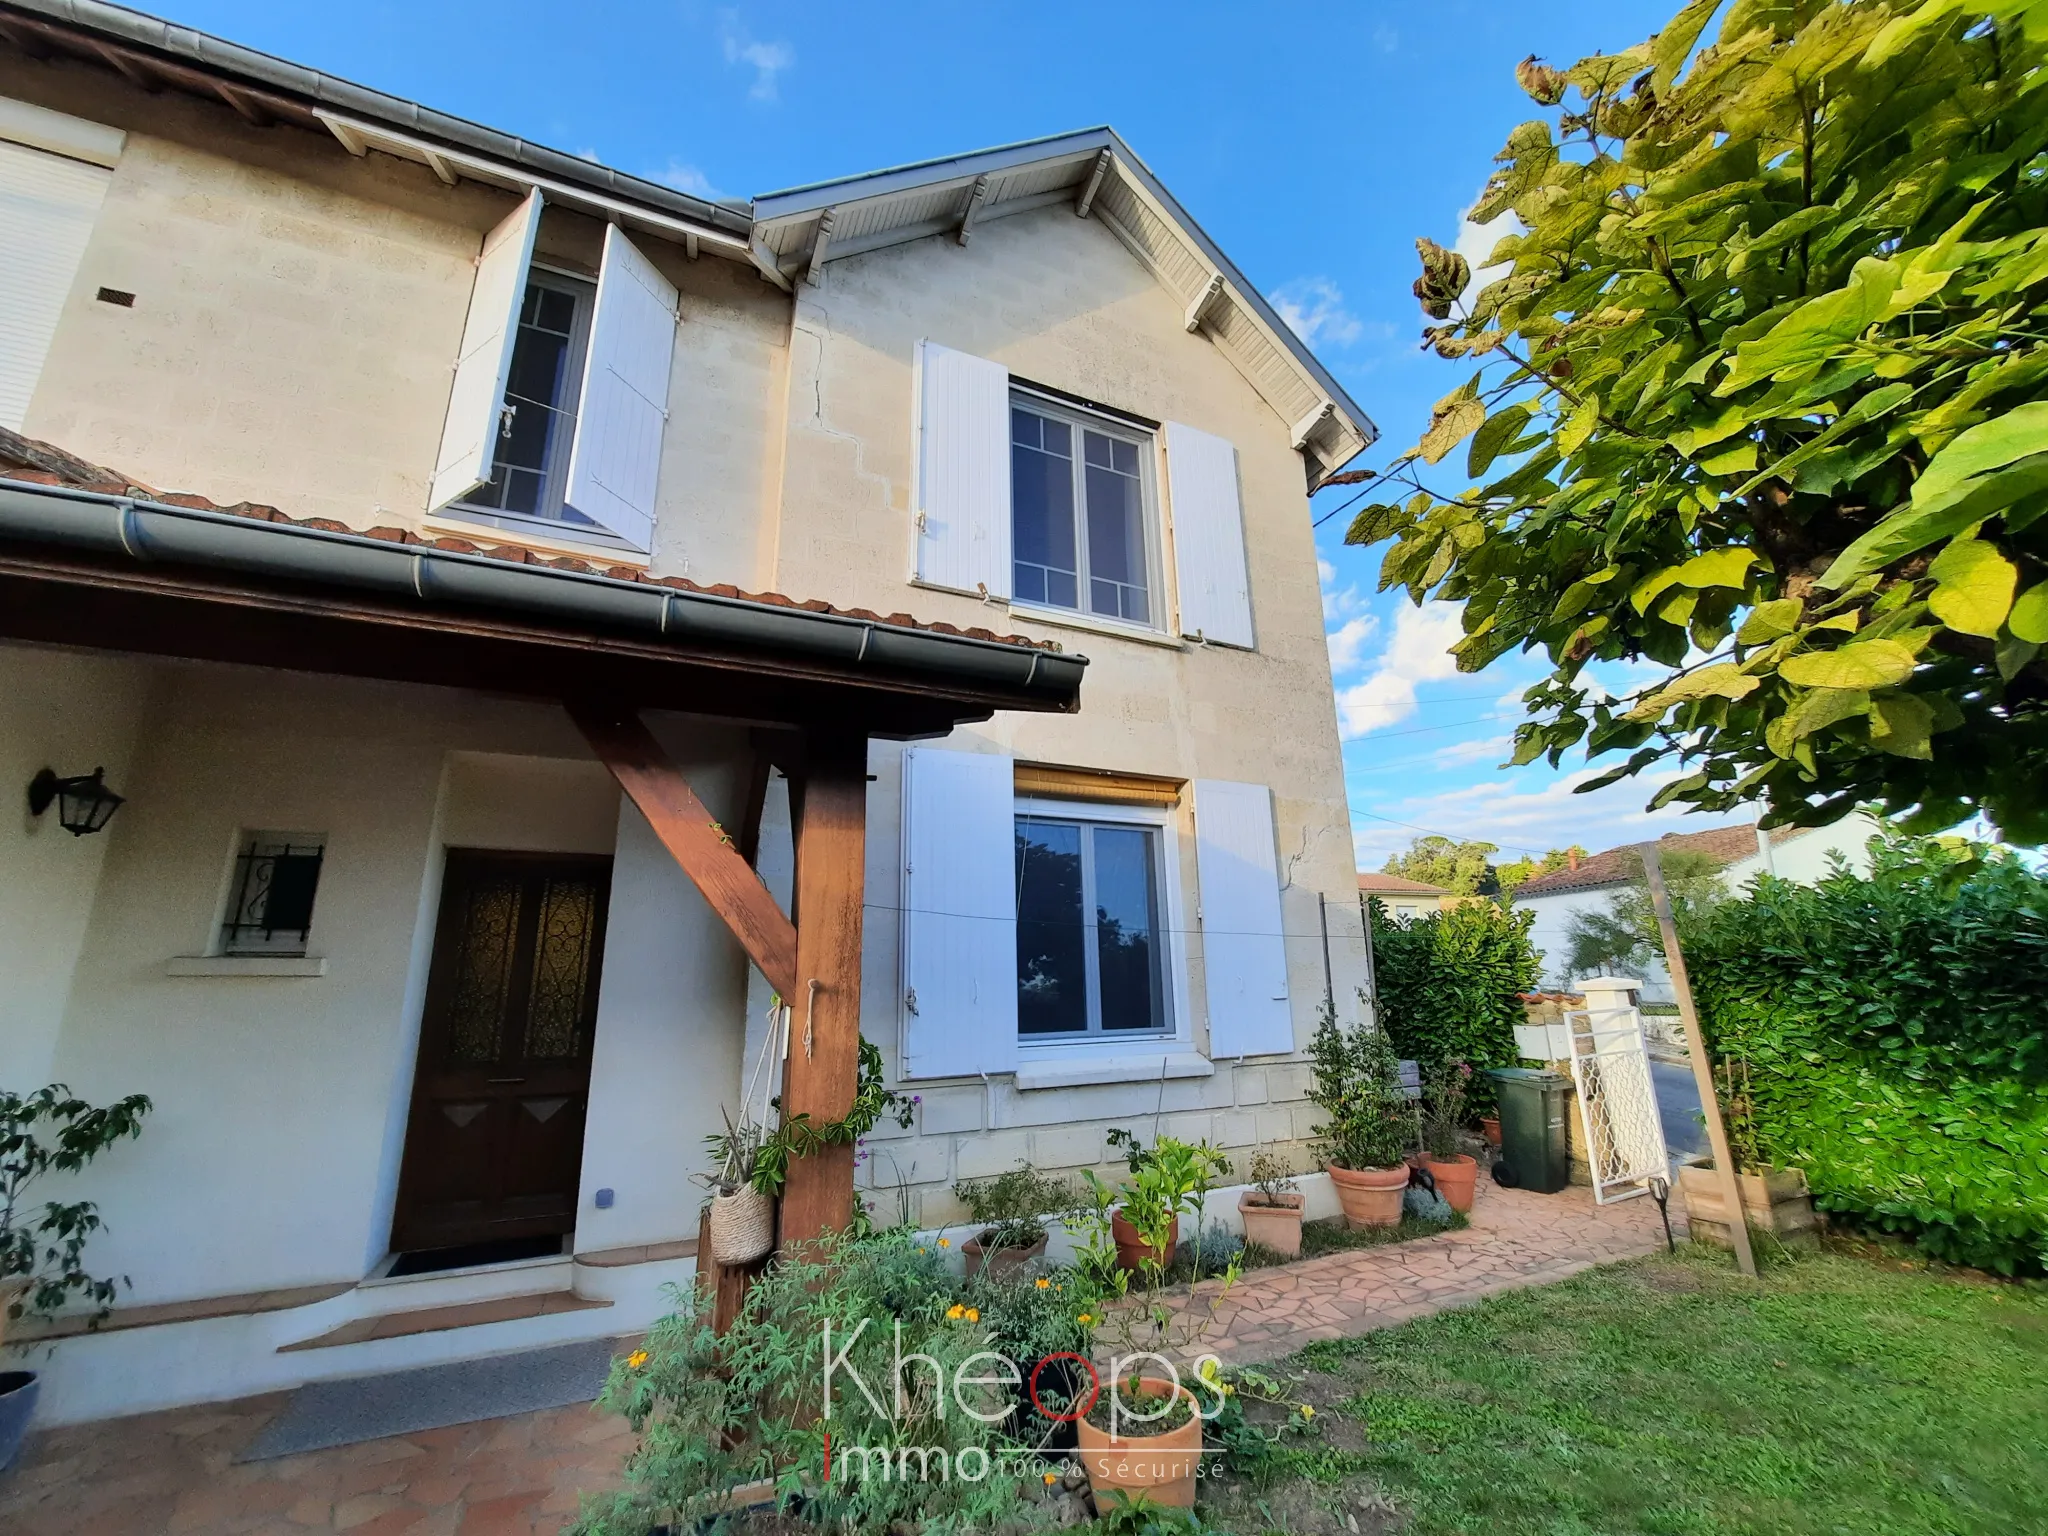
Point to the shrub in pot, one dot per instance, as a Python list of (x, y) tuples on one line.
[(1443, 1113), (1011, 1211), (742, 1214), (1356, 1082), (1142, 1436), (42, 1247), (1271, 1208), (1167, 1181)]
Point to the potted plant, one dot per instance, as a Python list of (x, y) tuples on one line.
[(1774, 1200), (1011, 1210), (1142, 1436), (1443, 1113), (1357, 1083), (1271, 1208), (742, 1213), (42, 1247), (1167, 1180)]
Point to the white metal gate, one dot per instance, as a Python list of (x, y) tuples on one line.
[(1617, 1101)]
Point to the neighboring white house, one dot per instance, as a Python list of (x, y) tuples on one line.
[(356, 441), (1799, 854), (1403, 898)]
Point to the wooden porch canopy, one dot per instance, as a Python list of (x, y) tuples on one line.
[(92, 568)]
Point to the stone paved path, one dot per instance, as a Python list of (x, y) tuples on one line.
[(174, 1473), (1516, 1239)]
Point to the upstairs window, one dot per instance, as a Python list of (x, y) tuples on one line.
[(1081, 513), (537, 416), (270, 903)]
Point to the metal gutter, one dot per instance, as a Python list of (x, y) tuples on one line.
[(205, 51), (150, 533)]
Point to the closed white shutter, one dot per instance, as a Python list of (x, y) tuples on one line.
[(959, 914), (1244, 950), (1208, 536), (616, 461), (962, 491), (469, 437), (47, 207)]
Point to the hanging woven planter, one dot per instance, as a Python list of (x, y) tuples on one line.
[(742, 1226)]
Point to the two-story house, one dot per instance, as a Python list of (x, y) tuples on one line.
[(471, 565)]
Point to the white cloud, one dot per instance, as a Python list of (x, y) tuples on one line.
[(1347, 642), (1525, 810), (1417, 652), (1475, 243), (767, 60), (685, 177), (1493, 751), (1313, 308)]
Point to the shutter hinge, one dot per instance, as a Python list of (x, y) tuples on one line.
[(920, 520), (910, 999)]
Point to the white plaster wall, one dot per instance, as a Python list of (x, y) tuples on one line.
[(71, 712), (1809, 857), (271, 1157)]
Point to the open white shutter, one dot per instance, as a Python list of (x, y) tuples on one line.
[(959, 913), (1208, 536), (469, 437), (47, 207), (616, 461), (1244, 951), (962, 494)]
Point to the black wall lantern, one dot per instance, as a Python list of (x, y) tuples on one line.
[(84, 803)]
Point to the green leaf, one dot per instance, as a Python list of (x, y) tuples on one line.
[(1769, 621), (1737, 459), (1859, 664), (1913, 528), (1989, 445), (1651, 587), (1455, 416), (1724, 680), (1717, 568), (2013, 656), (1901, 724), (1816, 328), (1579, 425), (1973, 587), (1500, 429), (2029, 617)]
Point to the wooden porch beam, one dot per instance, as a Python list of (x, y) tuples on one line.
[(687, 830), (824, 1047)]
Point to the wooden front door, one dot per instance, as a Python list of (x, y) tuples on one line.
[(494, 1145)]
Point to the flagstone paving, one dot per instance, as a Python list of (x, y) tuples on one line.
[(174, 1473), (1516, 1239)]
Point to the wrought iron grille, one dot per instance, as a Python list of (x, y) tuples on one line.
[(272, 908)]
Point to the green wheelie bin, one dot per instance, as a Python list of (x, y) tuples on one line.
[(1535, 1151)]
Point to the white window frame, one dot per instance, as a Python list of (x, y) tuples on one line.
[(1173, 936), (551, 524), (1146, 440)]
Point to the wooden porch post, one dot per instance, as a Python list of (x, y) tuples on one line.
[(824, 1046)]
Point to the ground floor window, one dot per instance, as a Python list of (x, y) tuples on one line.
[(1090, 942)]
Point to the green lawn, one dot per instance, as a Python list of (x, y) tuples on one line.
[(1668, 1396)]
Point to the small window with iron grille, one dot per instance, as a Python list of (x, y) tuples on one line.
[(270, 902)]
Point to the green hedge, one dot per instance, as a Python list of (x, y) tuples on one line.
[(1448, 986), (1895, 1035)]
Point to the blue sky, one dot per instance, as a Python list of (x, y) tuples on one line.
[(1313, 141)]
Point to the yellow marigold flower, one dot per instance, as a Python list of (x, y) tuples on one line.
[(974, 1314), (1307, 1412), (923, 1250), (945, 1242), (1044, 1284), (1086, 1318), (955, 1311), (636, 1359), (1051, 1478)]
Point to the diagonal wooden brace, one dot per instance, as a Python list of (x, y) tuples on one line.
[(708, 855)]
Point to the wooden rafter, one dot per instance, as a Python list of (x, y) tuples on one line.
[(693, 836)]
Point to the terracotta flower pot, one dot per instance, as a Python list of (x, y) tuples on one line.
[(999, 1263), (1132, 1250), (1276, 1226), (1489, 1127), (1161, 1466), (1371, 1197), (1454, 1177)]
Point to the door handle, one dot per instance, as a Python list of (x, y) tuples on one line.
[(496, 1081)]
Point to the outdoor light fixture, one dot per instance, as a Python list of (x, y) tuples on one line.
[(84, 803)]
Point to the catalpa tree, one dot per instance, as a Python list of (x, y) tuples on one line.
[(1761, 395)]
